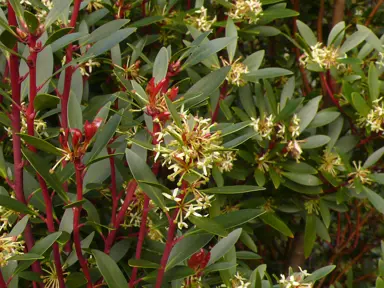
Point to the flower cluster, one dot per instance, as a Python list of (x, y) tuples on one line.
[(312, 206), (249, 10), (238, 69), (360, 174), (191, 148), (80, 142), (238, 281), (202, 21), (188, 202), (51, 280), (94, 5), (295, 280), (4, 217), (325, 57), (87, 68), (380, 60), (264, 126), (9, 247), (134, 213), (375, 118), (331, 162)]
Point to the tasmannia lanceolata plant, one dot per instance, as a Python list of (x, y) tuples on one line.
[(180, 143)]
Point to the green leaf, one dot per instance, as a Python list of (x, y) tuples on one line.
[(43, 169), (240, 140), (141, 263), (209, 225), (26, 257), (75, 204), (360, 104), (277, 13), (289, 109), (224, 245), (14, 205), (373, 82), (141, 172), (31, 21), (325, 214), (247, 255), (374, 157), (109, 269), (173, 111), (3, 165), (336, 35), (308, 112), (206, 85), (19, 227), (304, 179), (240, 189), (219, 266), (231, 31), (147, 21), (319, 274), (315, 141), (352, 41), (57, 35), (254, 60), (309, 235), (75, 280), (41, 144), (266, 73), (376, 200), (85, 243), (237, 218), (104, 31), (302, 167), (207, 49), (323, 118), (39, 248), (310, 190), (275, 222), (109, 42), (45, 101), (30, 276), (65, 40), (186, 247), (75, 116), (322, 231), (160, 66), (103, 137), (306, 33), (55, 12)]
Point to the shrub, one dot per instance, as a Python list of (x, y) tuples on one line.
[(178, 144)]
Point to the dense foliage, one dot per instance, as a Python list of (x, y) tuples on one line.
[(179, 143)]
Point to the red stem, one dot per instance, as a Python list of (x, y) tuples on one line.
[(144, 216), (2, 282), (69, 70), (76, 222), (113, 186), (32, 61), (16, 126), (167, 250), (120, 216)]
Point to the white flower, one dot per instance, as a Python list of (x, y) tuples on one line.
[(246, 9), (173, 196)]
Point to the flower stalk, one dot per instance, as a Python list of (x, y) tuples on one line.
[(79, 167), (16, 127), (35, 48)]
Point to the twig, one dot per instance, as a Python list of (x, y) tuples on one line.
[(373, 12)]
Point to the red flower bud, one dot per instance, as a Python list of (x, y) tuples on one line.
[(152, 89), (199, 260), (173, 69), (172, 94), (77, 136), (90, 129)]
